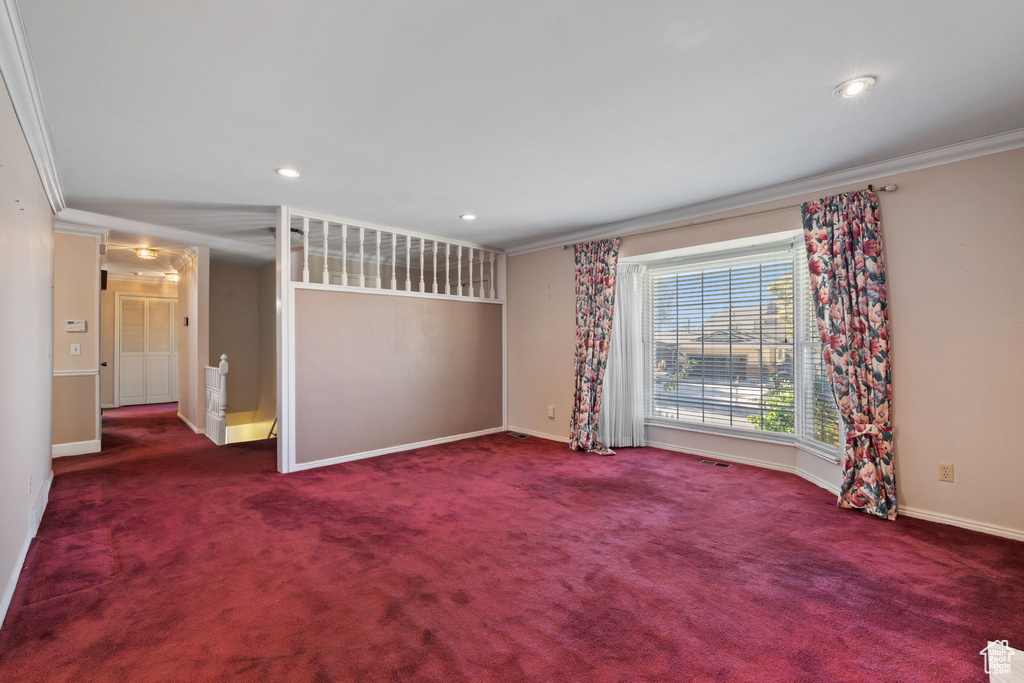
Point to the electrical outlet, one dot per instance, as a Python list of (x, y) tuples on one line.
[(946, 472)]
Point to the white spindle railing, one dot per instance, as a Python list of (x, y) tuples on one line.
[(217, 401), (475, 279)]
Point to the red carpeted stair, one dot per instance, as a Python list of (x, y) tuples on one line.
[(165, 558)]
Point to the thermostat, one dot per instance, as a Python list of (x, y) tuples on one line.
[(74, 326)]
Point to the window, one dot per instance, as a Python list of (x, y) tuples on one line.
[(733, 345)]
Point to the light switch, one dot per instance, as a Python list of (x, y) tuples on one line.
[(76, 349)]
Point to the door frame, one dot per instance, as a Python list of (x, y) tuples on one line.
[(117, 336)]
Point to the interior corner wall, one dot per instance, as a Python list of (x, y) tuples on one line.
[(76, 292), (953, 243), (234, 330), (193, 338), (266, 408), (375, 371), (108, 299), (26, 336)]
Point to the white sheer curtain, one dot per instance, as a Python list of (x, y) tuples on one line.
[(621, 422)]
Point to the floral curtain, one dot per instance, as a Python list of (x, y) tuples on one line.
[(596, 264), (843, 235)]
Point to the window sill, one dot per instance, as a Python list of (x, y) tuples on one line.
[(748, 434)]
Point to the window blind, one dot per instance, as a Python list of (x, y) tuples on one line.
[(733, 343)]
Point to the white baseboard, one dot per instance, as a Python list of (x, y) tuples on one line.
[(393, 449), (35, 516), (540, 435), (191, 426), (61, 450), (983, 527), (107, 405)]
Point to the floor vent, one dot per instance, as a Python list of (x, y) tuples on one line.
[(517, 435), (716, 464)]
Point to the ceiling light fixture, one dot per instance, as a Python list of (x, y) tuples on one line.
[(854, 86), (171, 277), (468, 217), (288, 172), (146, 254)]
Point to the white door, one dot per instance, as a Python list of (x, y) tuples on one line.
[(147, 359)]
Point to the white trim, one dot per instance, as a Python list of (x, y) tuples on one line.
[(298, 213), (393, 292), (75, 373), (107, 405), (190, 425), (60, 450), (285, 343), (183, 258), (960, 151), (540, 435), (394, 449), (121, 277), (765, 464), (35, 517), (941, 518), (19, 75), (196, 239), (760, 436), (81, 230)]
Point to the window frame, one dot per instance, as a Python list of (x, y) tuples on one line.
[(794, 244)]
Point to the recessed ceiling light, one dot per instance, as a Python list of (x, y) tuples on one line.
[(288, 172), (468, 217), (854, 86), (146, 253)]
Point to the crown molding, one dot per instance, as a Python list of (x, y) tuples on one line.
[(196, 239), (122, 277), (183, 258), (20, 77), (991, 144)]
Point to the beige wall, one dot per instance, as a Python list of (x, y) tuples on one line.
[(26, 336), (193, 340), (266, 409), (107, 302), (234, 330), (74, 409), (953, 238), (76, 287), (374, 371), (76, 293)]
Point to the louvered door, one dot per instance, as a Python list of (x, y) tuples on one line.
[(147, 369)]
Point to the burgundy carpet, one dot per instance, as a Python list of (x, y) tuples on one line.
[(167, 559)]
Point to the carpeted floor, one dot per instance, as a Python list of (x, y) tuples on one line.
[(167, 559)]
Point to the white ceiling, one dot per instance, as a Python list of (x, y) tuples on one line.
[(541, 117)]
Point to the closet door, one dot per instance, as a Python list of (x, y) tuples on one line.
[(131, 360), (159, 348), (147, 362)]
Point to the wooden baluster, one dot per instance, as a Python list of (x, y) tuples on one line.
[(408, 263), (447, 268), (327, 276), (362, 264), (394, 261), (434, 252), (305, 250), (423, 286), (344, 255), (470, 285), (494, 290), (378, 259), (458, 285)]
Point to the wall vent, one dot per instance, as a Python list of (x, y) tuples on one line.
[(517, 435), (716, 464)]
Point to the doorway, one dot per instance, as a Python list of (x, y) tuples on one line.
[(146, 350)]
